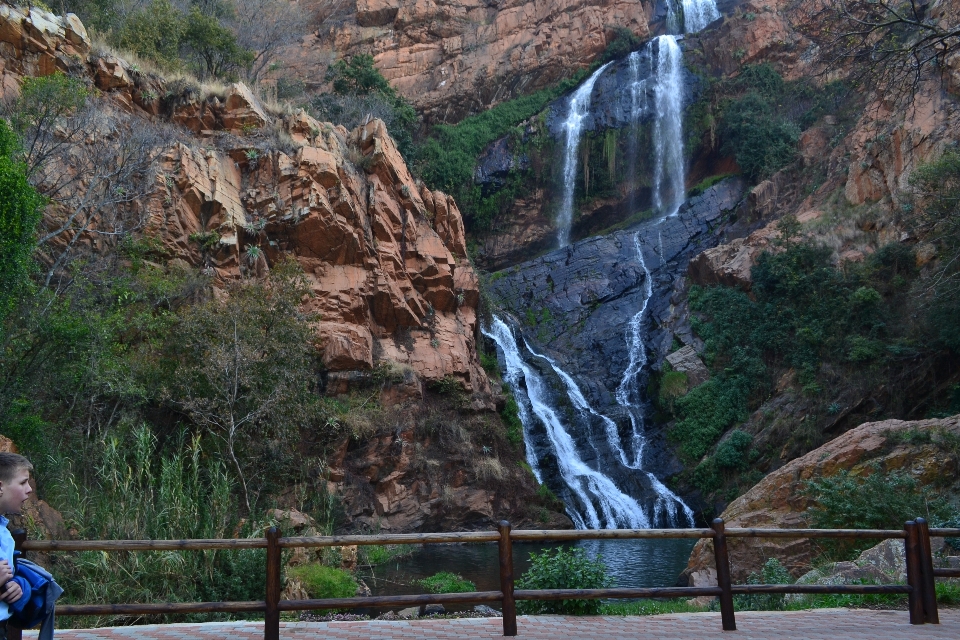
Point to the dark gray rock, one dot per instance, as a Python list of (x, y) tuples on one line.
[(575, 305)]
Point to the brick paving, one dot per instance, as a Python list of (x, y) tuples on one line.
[(821, 624)]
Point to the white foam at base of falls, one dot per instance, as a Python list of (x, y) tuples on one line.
[(578, 109)]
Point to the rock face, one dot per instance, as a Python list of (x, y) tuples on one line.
[(454, 57), (575, 305), (778, 501), (386, 261), (34, 42)]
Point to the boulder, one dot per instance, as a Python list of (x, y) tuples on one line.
[(778, 501), (687, 361)]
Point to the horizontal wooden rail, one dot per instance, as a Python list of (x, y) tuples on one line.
[(159, 608), (143, 545), (536, 535), (734, 532), (593, 594), (383, 539), (822, 588), (920, 573), (389, 601)]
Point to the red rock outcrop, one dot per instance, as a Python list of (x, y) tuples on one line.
[(453, 57), (779, 502), (34, 42), (387, 265)]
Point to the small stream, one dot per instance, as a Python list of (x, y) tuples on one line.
[(633, 563)]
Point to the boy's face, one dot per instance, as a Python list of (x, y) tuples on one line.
[(15, 491)]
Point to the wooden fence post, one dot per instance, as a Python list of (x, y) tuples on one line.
[(271, 620), (19, 537), (506, 580), (912, 555), (723, 575), (929, 598)]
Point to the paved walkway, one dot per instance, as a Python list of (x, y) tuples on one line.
[(821, 624)]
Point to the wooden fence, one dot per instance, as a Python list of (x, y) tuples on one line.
[(916, 535)]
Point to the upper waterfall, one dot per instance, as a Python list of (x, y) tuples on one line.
[(579, 108), (691, 16)]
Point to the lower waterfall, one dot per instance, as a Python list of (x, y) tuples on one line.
[(597, 502)]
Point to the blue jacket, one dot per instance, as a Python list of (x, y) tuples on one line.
[(40, 593)]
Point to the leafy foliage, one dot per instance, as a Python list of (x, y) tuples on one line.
[(20, 210), (446, 582), (772, 572), (321, 581), (563, 569), (362, 91)]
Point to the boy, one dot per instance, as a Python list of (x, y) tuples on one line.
[(14, 490)]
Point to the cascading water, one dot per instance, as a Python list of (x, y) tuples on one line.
[(599, 502), (578, 109), (697, 14), (668, 173)]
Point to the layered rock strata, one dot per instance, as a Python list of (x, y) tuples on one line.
[(455, 57)]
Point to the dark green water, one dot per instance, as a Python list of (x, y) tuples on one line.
[(633, 563)]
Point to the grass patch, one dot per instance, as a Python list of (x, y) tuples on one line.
[(446, 582), (324, 582), (649, 608)]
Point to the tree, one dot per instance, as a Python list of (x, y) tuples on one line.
[(888, 44), (20, 211), (243, 364), (264, 27), (213, 47), (92, 162)]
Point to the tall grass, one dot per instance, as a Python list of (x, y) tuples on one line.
[(129, 495)]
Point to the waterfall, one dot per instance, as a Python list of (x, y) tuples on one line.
[(697, 14), (578, 110), (600, 503), (669, 189)]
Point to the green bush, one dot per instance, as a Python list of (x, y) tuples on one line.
[(325, 582), (361, 90), (772, 572), (20, 211), (563, 569), (446, 582), (733, 452), (760, 140), (511, 418), (878, 500)]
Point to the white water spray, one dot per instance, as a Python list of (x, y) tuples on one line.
[(668, 172), (578, 109), (602, 502), (697, 14)]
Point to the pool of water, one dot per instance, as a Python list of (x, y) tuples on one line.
[(632, 563)]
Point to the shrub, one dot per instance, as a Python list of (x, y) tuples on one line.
[(761, 141), (732, 452), (772, 573), (880, 500), (563, 569), (20, 211), (325, 582), (511, 418), (446, 582)]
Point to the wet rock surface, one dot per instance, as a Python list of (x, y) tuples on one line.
[(575, 305)]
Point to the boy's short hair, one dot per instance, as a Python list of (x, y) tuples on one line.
[(10, 463)]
